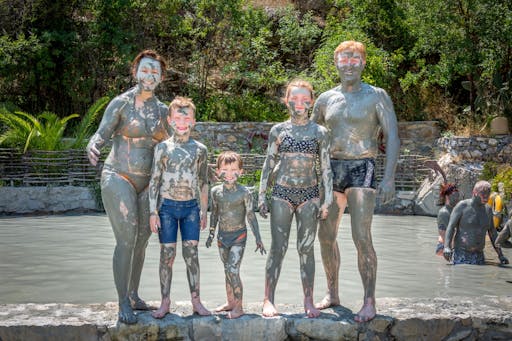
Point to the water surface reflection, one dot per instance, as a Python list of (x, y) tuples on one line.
[(67, 258)]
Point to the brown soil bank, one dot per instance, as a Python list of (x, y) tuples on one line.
[(482, 318)]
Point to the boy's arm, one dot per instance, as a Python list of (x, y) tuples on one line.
[(203, 186), (252, 221), (325, 168), (214, 218), (155, 183), (268, 167)]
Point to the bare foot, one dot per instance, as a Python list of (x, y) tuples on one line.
[(198, 308), (269, 310), (367, 312), (126, 314), (225, 307), (235, 313), (327, 302), (310, 309), (163, 310), (138, 303)]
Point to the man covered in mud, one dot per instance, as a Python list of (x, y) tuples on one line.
[(354, 113), (135, 121), (469, 222), (179, 179), (232, 210)]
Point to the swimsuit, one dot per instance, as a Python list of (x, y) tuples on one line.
[(296, 196), (353, 173), (468, 257), (229, 238), (290, 145)]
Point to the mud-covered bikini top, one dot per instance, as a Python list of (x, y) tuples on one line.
[(290, 145)]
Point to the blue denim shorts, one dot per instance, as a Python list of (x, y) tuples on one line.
[(179, 214)]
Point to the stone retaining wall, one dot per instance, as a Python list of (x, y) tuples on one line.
[(244, 137), (482, 318), (422, 138), (478, 148), (37, 199)]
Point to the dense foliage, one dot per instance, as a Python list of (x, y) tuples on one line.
[(448, 60)]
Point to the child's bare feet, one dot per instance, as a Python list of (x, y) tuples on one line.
[(309, 308), (225, 307), (269, 310), (236, 312), (198, 307), (327, 302), (367, 312), (163, 310)]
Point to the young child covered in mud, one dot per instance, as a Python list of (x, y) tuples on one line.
[(231, 209), (178, 199)]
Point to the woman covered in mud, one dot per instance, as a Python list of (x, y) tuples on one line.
[(135, 121)]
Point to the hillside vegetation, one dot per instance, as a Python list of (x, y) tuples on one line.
[(449, 61)]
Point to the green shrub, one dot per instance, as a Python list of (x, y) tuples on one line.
[(489, 171), (505, 176), (240, 108)]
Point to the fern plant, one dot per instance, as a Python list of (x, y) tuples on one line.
[(46, 130), (26, 131)]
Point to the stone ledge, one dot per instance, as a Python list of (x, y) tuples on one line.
[(482, 318)]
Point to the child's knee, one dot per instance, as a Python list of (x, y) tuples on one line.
[(189, 250)]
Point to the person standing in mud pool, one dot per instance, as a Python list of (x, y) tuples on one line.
[(354, 113), (449, 197), (178, 199), (470, 221), (232, 210), (136, 122), (294, 147)]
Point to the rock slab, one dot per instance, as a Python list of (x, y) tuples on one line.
[(481, 318)]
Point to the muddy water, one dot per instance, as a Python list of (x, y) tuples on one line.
[(68, 258)]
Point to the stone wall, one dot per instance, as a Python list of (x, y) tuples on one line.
[(463, 157), (242, 137), (416, 137), (478, 149), (450, 319), (36, 199)]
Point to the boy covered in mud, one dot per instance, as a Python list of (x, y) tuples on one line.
[(179, 179), (232, 210)]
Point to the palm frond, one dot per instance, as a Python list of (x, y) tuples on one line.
[(85, 128)]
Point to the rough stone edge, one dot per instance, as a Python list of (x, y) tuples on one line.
[(460, 318)]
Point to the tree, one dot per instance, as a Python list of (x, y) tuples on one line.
[(463, 41)]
